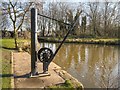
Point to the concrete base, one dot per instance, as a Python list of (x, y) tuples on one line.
[(40, 75), (21, 64), (22, 67)]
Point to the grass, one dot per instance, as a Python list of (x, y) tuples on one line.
[(6, 68), (106, 41), (6, 45), (67, 85), (9, 43)]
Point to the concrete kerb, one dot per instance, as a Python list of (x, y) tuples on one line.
[(12, 70), (66, 76)]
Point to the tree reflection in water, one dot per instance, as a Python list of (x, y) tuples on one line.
[(93, 65)]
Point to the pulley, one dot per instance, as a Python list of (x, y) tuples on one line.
[(44, 54)]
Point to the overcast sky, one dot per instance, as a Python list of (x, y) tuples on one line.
[(78, 0), (66, 0)]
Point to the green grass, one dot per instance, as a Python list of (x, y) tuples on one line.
[(106, 41), (9, 43), (6, 68), (6, 45), (65, 86)]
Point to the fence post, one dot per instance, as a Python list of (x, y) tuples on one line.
[(33, 40)]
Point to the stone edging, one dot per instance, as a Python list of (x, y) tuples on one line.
[(66, 76), (12, 71)]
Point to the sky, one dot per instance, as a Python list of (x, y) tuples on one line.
[(78, 0), (65, 0)]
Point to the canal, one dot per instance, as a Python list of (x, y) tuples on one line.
[(95, 66)]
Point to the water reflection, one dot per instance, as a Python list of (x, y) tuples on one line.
[(93, 65)]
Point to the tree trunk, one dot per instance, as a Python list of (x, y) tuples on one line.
[(43, 31), (15, 39), (48, 33), (15, 36)]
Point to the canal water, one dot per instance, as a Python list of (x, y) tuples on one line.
[(95, 66)]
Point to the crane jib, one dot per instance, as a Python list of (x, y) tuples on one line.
[(71, 28), (46, 55)]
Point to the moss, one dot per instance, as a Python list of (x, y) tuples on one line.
[(65, 86), (68, 84)]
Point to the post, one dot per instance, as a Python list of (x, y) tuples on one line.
[(33, 41)]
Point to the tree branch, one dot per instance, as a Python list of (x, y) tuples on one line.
[(13, 7), (25, 11), (9, 12)]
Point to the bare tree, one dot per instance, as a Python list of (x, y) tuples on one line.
[(109, 77), (83, 24), (109, 17), (41, 20), (93, 16), (3, 19), (16, 13), (72, 19), (77, 26)]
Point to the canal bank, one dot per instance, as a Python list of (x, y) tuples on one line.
[(21, 69), (102, 41)]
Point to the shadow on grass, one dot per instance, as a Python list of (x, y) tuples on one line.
[(6, 75), (15, 76), (8, 48)]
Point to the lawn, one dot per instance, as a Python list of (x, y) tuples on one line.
[(6, 46), (6, 68), (104, 41), (9, 43)]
